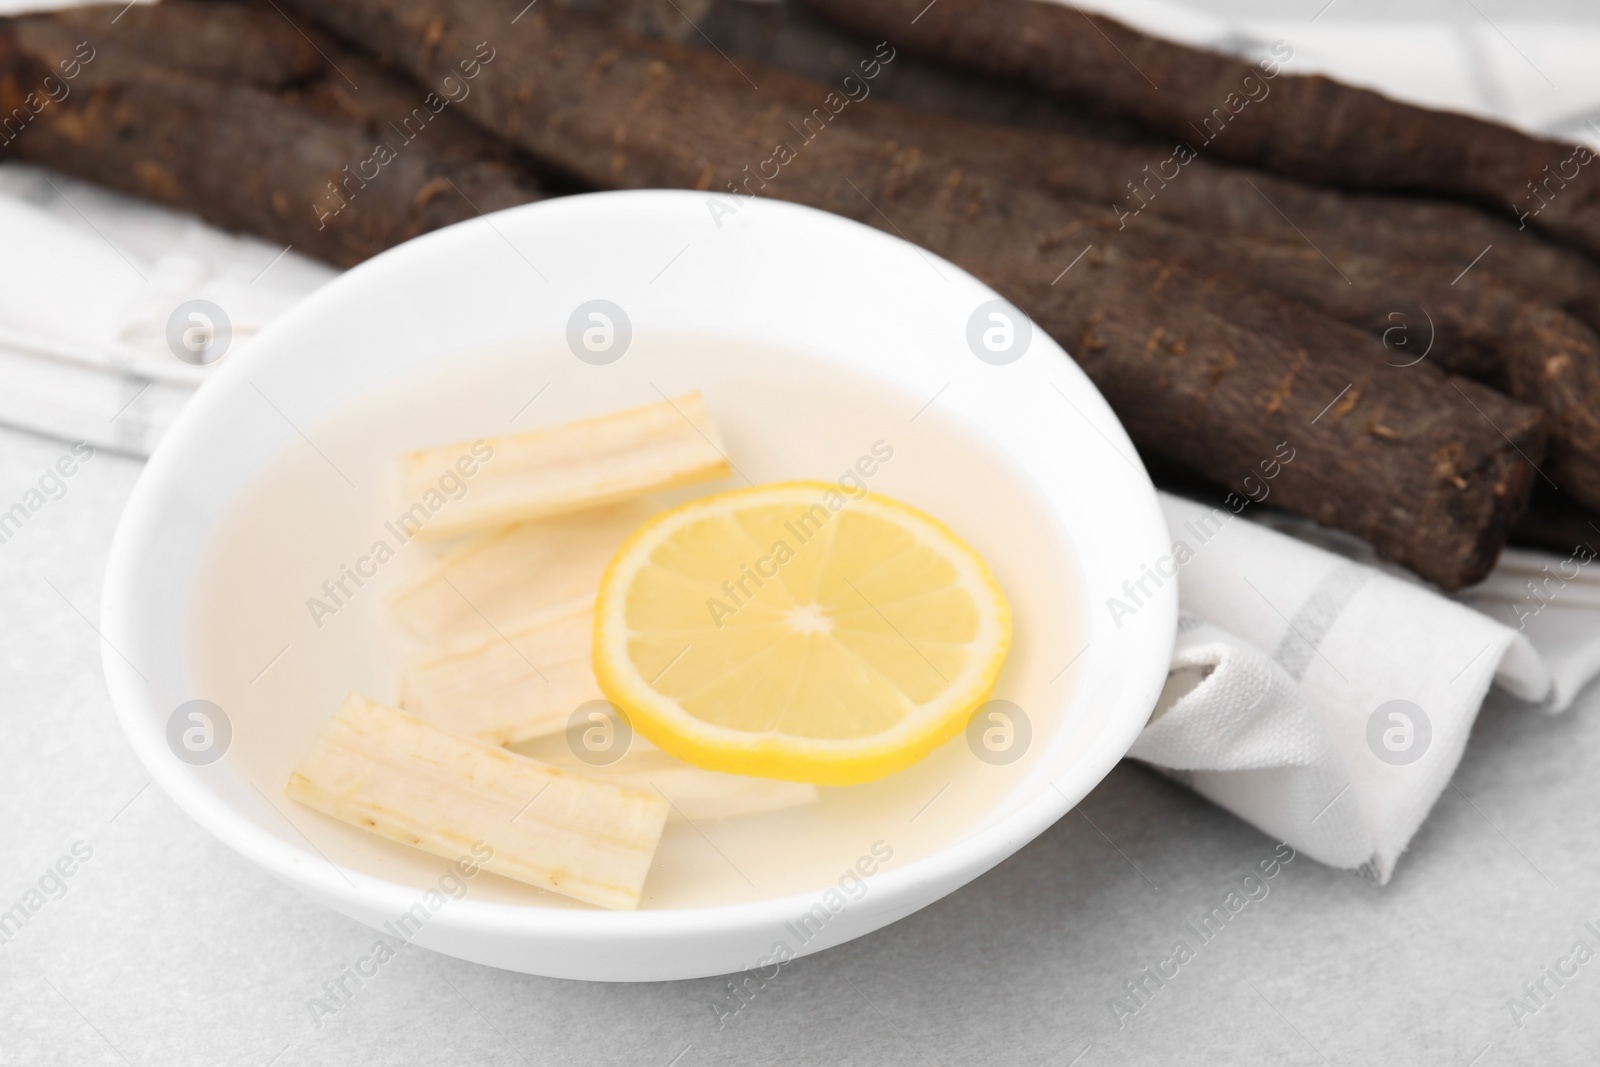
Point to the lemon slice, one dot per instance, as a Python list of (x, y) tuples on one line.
[(791, 631)]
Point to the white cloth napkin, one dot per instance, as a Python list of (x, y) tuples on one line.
[(1328, 700), (87, 286)]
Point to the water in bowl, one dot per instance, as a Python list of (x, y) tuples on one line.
[(279, 669)]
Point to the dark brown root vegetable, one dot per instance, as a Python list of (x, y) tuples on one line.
[(1124, 168), (228, 42), (1130, 176), (1465, 329), (333, 184), (789, 37), (1393, 266), (1429, 467), (1311, 128)]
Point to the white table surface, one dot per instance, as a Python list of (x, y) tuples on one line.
[(167, 948)]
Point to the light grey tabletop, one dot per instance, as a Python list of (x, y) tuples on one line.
[(164, 947)]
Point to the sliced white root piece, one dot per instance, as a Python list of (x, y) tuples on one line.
[(577, 465), (520, 685), (497, 583), (404, 779)]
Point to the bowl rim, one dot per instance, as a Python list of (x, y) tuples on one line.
[(897, 890)]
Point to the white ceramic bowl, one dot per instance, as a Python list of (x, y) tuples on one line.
[(773, 274)]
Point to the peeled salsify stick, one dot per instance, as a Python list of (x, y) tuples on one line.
[(574, 466), (514, 687), (401, 778), (500, 582)]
